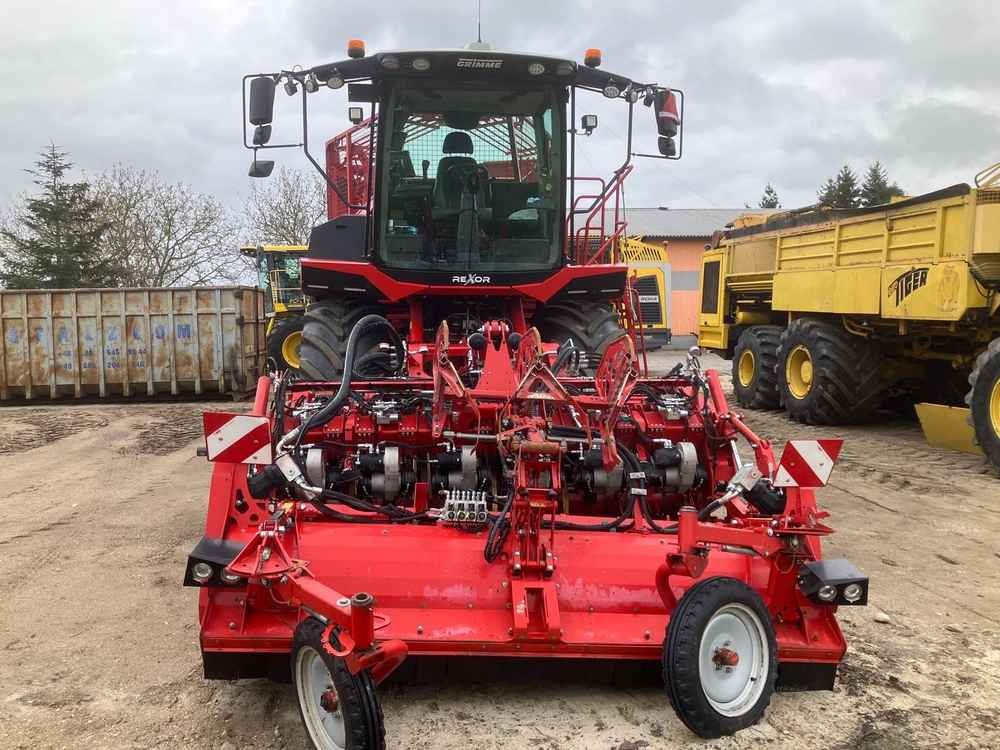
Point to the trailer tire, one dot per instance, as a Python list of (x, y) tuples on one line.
[(591, 325), (326, 327), (983, 400), (360, 712), (284, 343), (714, 614), (755, 362), (828, 376)]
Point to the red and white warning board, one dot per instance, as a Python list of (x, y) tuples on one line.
[(237, 438), (807, 463)]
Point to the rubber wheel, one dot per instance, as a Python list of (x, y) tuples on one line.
[(284, 342), (984, 401), (339, 711), (327, 324), (591, 325), (828, 376), (720, 659), (755, 360)]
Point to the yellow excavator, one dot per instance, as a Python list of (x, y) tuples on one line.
[(279, 276)]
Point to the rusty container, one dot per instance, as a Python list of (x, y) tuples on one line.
[(129, 343)]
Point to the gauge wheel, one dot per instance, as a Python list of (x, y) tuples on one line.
[(283, 343), (827, 375), (984, 402), (755, 360), (720, 660), (340, 711)]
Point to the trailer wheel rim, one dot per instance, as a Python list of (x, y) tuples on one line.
[(995, 407), (799, 371), (746, 367), (315, 688), (733, 660), (290, 348)]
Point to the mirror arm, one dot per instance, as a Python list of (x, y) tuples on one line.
[(305, 148)]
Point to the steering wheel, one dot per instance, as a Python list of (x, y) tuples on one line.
[(458, 176)]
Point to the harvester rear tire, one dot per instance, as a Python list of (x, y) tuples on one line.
[(285, 330), (828, 376), (983, 400), (591, 325), (327, 325), (357, 703), (755, 361), (710, 611)]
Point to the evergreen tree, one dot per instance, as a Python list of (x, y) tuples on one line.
[(842, 191), (876, 188), (770, 198), (55, 241)]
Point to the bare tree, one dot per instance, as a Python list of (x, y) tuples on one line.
[(165, 234), (284, 209)]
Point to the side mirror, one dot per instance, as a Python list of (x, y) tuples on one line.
[(668, 121), (666, 146), (261, 100), (261, 135), (588, 123), (261, 168)]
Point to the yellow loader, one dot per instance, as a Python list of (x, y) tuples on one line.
[(279, 276)]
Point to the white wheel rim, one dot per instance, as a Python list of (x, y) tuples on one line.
[(733, 660), (312, 681)]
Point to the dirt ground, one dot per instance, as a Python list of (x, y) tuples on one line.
[(98, 640)]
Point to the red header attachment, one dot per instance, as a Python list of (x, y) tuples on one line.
[(237, 438), (807, 463)]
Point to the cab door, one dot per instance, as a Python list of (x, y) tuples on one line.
[(711, 326)]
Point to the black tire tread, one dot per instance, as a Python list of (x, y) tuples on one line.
[(984, 374), (326, 326), (362, 710), (680, 656), (763, 392), (847, 383), (592, 325)]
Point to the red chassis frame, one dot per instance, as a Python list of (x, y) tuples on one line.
[(552, 592)]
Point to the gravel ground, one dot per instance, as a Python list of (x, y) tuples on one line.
[(98, 641)]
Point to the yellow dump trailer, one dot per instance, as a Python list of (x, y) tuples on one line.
[(830, 314)]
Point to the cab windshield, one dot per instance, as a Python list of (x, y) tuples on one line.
[(471, 179)]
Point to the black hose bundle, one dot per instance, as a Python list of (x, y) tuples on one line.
[(499, 528), (633, 465)]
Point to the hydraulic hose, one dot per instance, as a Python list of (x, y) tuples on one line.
[(632, 462)]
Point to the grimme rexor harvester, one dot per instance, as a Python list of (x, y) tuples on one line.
[(473, 461)]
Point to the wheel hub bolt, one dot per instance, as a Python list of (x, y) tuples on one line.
[(329, 701), (725, 657)]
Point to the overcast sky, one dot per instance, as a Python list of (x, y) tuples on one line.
[(776, 91)]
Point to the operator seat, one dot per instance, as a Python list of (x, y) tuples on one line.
[(448, 189)]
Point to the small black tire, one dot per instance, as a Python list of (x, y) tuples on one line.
[(592, 325), (705, 611), (845, 384), (755, 361), (356, 701), (327, 326), (983, 400), (276, 349)]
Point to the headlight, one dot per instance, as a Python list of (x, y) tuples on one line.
[(421, 63), (612, 91), (536, 69), (230, 578), (201, 572), (853, 592), (335, 81), (827, 593), (564, 68), (390, 63)]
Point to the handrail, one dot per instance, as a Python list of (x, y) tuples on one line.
[(597, 226)]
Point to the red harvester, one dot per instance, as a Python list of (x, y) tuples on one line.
[(472, 460)]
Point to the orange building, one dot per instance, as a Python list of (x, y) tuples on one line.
[(684, 231)]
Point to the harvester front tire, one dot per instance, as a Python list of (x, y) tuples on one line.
[(716, 618), (983, 400), (828, 376), (755, 361), (284, 343), (357, 722), (327, 325), (591, 325)]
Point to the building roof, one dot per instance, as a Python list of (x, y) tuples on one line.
[(680, 223)]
